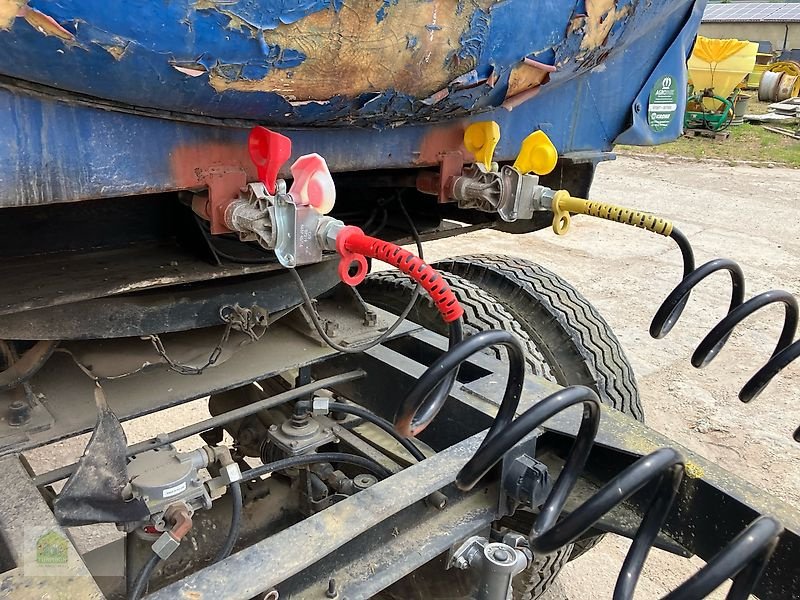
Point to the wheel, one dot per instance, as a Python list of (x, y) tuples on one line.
[(578, 344), (391, 291)]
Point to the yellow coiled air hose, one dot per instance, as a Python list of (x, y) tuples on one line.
[(564, 204)]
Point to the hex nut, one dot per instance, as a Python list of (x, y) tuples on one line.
[(165, 545)]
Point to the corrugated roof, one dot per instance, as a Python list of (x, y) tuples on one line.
[(752, 12)]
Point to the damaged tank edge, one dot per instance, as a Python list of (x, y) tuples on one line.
[(274, 69)]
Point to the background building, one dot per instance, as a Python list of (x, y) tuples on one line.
[(777, 23)]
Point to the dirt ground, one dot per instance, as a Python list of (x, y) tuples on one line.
[(749, 214)]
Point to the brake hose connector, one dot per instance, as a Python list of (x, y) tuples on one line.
[(354, 246)]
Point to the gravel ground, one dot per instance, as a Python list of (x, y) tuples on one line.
[(745, 213)]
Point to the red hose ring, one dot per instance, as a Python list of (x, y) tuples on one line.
[(352, 242)]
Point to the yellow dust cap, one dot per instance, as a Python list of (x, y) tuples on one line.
[(537, 154), (481, 139)]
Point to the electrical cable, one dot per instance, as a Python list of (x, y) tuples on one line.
[(139, 586), (305, 460), (235, 488), (744, 559)]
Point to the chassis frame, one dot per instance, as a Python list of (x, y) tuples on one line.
[(370, 540)]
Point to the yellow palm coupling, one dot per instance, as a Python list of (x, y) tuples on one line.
[(481, 139), (537, 155), (563, 204)]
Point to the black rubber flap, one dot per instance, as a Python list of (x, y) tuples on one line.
[(93, 494)]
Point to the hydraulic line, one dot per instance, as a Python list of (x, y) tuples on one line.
[(368, 415), (139, 586), (744, 559), (671, 309), (236, 522)]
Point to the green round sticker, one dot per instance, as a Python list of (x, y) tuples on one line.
[(663, 103)]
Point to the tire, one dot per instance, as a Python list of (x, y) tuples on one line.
[(578, 344), (391, 291)]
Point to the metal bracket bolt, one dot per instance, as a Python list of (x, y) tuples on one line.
[(498, 563)]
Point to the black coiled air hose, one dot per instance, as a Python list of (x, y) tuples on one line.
[(744, 558), (785, 351)]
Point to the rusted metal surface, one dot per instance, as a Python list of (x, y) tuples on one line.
[(27, 365), (388, 85), (224, 186), (410, 47)]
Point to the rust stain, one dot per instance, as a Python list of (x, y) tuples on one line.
[(350, 52), (189, 164), (45, 24), (525, 77), (10, 10), (440, 140), (600, 18), (116, 51)]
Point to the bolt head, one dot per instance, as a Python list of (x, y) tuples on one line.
[(501, 554), (461, 563)]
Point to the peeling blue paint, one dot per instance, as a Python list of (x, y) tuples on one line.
[(473, 39), (433, 27), (96, 152), (383, 11), (269, 15), (136, 56)]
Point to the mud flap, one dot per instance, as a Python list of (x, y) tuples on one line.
[(94, 492), (657, 112)]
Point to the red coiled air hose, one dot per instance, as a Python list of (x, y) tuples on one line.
[(353, 244)]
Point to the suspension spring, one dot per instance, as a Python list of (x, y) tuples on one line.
[(786, 351), (743, 559)]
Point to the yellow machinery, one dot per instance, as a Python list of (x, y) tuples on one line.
[(716, 67)]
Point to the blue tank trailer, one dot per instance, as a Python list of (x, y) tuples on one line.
[(168, 232), (103, 103)]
